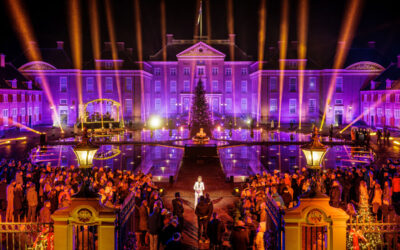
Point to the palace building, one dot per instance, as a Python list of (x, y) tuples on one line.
[(236, 84)]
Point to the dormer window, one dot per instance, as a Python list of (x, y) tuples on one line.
[(29, 84), (372, 85), (14, 83), (388, 84)]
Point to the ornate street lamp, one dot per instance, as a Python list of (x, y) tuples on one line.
[(314, 153), (85, 152)]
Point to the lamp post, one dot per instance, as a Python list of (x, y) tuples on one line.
[(85, 152), (314, 153)]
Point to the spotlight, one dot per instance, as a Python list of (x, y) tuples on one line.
[(155, 122)]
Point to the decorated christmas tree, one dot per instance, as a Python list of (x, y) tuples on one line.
[(200, 113), (365, 236)]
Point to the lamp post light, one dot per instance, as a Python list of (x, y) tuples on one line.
[(85, 152), (314, 153), (155, 122)]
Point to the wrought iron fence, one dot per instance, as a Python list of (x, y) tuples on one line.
[(25, 235), (275, 224), (125, 220)]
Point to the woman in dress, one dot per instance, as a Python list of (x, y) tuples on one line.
[(198, 190)]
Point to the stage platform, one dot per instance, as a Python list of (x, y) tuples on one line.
[(200, 150)]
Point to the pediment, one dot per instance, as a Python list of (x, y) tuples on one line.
[(201, 50), (37, 65), (365, 65)]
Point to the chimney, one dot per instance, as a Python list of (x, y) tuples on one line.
[(388, 84), (232, 38), (371, 44), (398, 61), (120, 46), (2, 60), (60, 44), (170, 38), (373, 85)]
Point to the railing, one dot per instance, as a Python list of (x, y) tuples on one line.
[(276, 223), (25, 235), (124, 216)]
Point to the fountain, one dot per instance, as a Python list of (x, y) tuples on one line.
[(201, 137)]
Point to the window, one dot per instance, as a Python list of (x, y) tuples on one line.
[(157, 104), (5, 98), (186, 103), (273, 85), (128, 106), (292, 106), (365, 97), (157, 71), (339, 102), (186, 71), (244, 71), (273, 105), (228, 71), (379, 112), (63, 84), (214, 86), (312, 104), (128, 84), (23, 97), (109, 84), (215, 104), (397, 113), (228, 86), (397, 98), (30, 85), (339, 84), (388, 113), (14, 97), (243, 86), (312, 84), (23, 112), (36, 110), (186, 86), (228, 103), (14, 112), (89, 84), (5, 115), (215, 71), (243, 104), (172, 71), (172, 86), (14, 84), (292, 84), (63, 102), (200, 70), (30, 111), (172, 104), (157, 86), (387, 98)]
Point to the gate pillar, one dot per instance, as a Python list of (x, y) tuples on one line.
[(314, 224)]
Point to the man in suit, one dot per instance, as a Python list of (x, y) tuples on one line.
[(178, 210)]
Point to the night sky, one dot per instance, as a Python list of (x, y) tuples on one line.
[(380, 22)]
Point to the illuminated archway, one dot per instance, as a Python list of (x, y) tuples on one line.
[(91, 118)]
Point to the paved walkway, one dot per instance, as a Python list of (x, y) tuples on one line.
[(215, 184)]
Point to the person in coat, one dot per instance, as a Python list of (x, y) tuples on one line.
[(144, 211), (45, 213), (10, 201), (18, 201), (154, 225), (259, 241), (178, 210), (335, 194), (32, 198), (239, 238), (202, 211), (215, 231)]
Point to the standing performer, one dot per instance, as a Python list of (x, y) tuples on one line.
[(198, 190)]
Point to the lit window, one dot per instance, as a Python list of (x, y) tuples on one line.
[(228, 71), (215, 85), (200, 70), (397, 113), (273, 105), (338, 101), (172, 71), (186, 86), (172, 86), (273, 86), (89, 84), (215, 71), (292, 106), (312, 104), (128, 84), (157, 86), (339, 84), (186, 103), (157, 104), (172, 104), (243, 104), (228, 86), (128, 106), (312, 84), (63, 102), (228, 102), (63, 84), (292, 84), (157, 71), (215, 105), (186, 71), (244, 71), (109, 84), (244, 86)]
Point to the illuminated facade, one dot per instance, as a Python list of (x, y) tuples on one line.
[(233, 81)]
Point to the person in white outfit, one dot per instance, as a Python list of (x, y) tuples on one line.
[(198, 190)]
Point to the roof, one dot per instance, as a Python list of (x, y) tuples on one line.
[(356, 55), (9, 73), (129, 61), (174, 49), (54, 56), (390, 73)]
